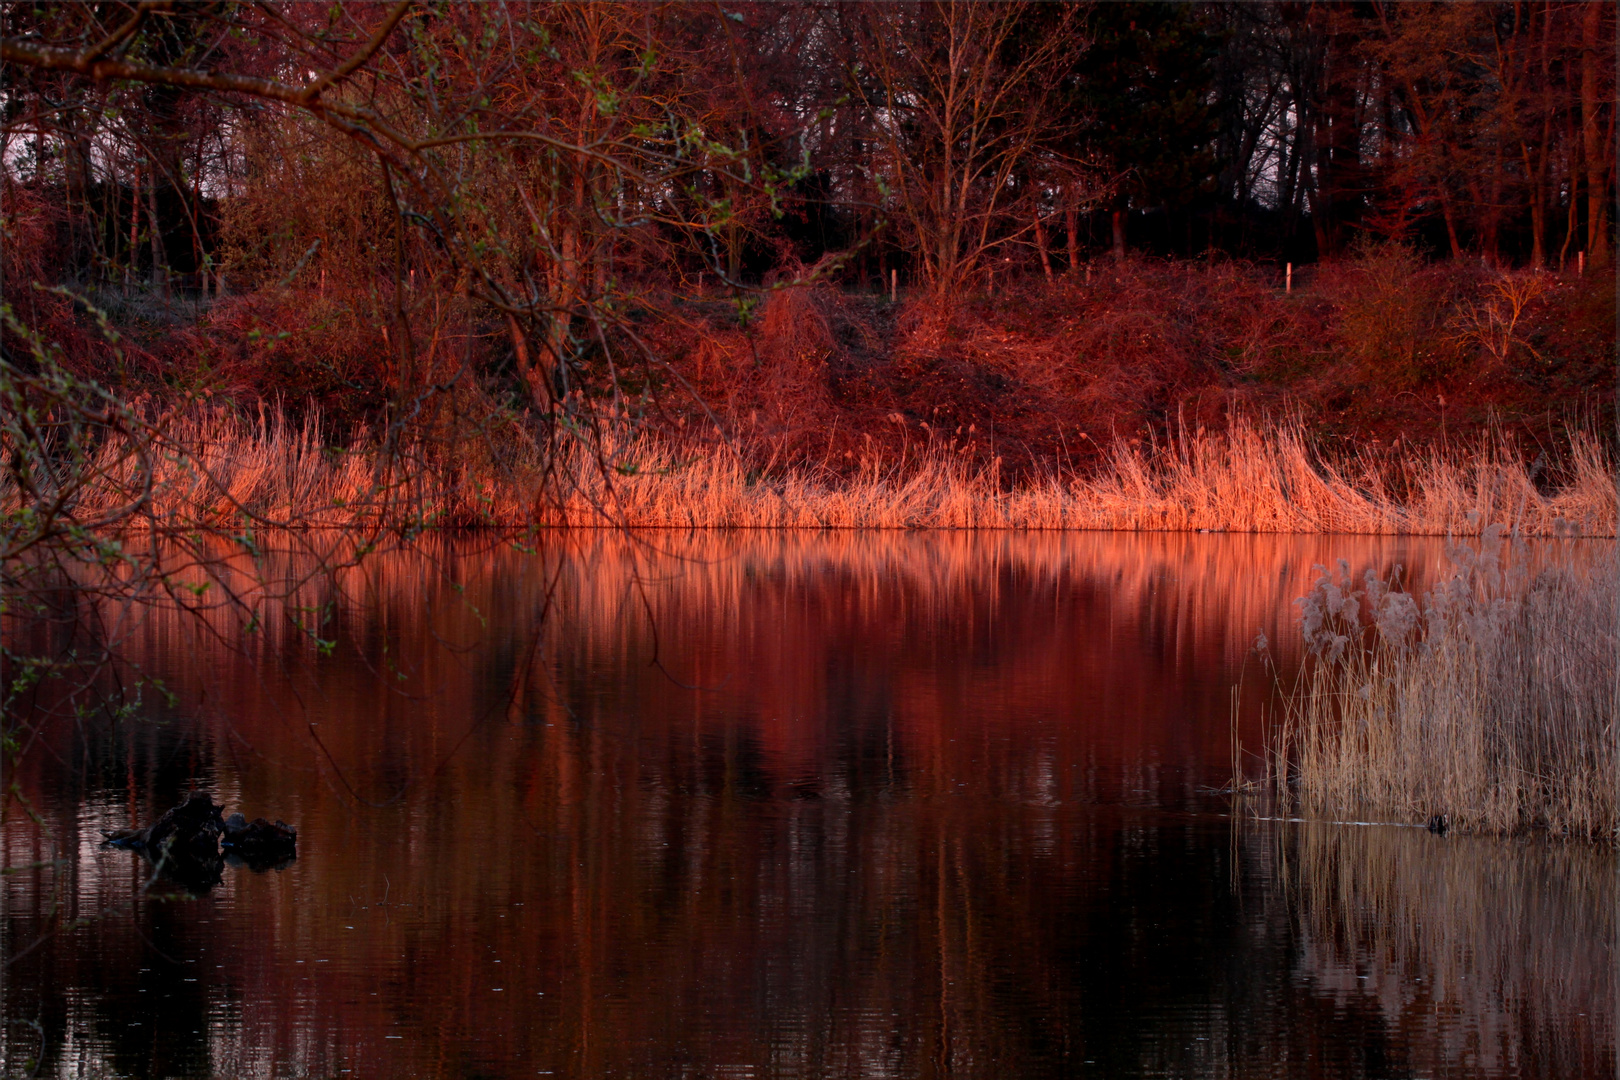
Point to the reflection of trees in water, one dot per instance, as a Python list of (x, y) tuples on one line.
[(1235, 581), (445, 623), (883, 844), (592, 595), (1491, 956)]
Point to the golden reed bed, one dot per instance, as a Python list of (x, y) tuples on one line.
[(1255, 477)]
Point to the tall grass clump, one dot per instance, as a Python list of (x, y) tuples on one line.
[(1490, 707)]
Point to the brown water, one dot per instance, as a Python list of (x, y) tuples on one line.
[(771, 805)]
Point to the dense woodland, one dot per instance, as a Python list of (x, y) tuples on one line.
[(814, 225)]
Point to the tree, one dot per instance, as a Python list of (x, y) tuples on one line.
[(411, 128), (955, 108), (1597, 126)]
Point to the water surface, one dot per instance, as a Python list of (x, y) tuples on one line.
[(771, 805)]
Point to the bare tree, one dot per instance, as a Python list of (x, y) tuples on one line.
[(956, 95)]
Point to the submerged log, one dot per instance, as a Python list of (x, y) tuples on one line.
[(185, 842), (191, 829)]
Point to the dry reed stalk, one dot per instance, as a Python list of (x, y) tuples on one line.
[(212, 469), (216, 469), (1494, 709)]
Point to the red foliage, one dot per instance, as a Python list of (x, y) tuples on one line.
[(1382, 348), (1377, 349)]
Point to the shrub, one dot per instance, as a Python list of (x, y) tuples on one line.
[(1393, 314)]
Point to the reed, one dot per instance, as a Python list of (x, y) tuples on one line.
[(1252, 477), (1256, 476), (1491, 708)]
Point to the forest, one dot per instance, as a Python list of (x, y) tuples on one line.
[(518, 259)]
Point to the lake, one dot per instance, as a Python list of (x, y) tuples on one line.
[(767, 805)]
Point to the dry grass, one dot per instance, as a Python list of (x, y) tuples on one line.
[(1494, 708), (218, 469), (1255, 477)]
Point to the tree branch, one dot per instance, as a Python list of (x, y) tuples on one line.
[(355, 62), (130, 26)]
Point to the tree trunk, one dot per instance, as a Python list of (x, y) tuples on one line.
[(1538, 229), (1335, 129), (1450, 216), (1598, 150), (1493, 210), (199, 249), (526, 370), (160, 264), (1040, 243), (604, 266), (1117, 221), (87, 238), (134, 226), (1537, 151), (1325, 182), (1573, 214), (1071, 224), (1298, 187), (565, 277), (562, 294)]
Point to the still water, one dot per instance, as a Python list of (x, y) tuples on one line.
[(770, 805)]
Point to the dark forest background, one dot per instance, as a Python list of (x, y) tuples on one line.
[(1091, 217)]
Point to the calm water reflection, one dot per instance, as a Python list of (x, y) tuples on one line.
[(772, 805)]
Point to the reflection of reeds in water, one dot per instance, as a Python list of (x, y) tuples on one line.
[(702, 600), (1220, 590), (1495, 710), (1255, 477), (443, 622), (1482, 955)]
